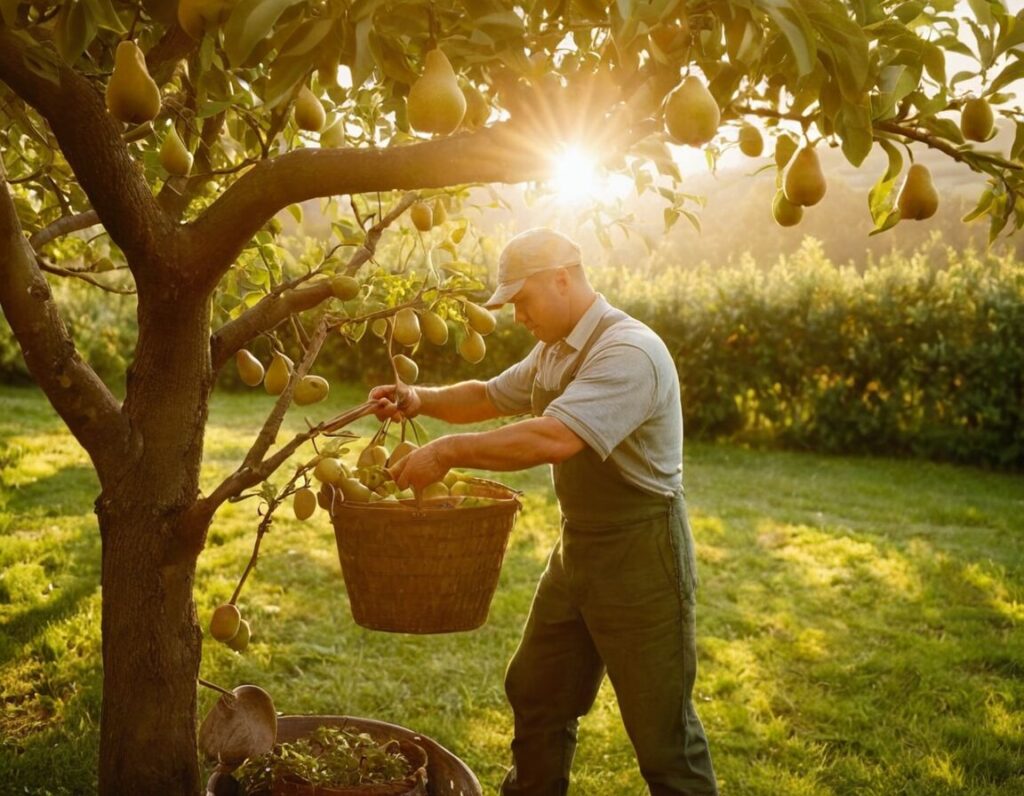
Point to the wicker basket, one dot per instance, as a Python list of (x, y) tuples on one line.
[(427, 568)]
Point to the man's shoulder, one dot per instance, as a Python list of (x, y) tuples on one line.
[(630, 332)]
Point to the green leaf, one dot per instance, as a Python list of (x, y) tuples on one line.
[(790, 19), (1011, 36), (1015, 71), (105, 15), (880, 198), (285, 75), (947, 128), (73, 30), (670, 216), (296, 212), (853, 126), (249, 23), (306, 37), (935, 63), (984, 203), (1018, 142)]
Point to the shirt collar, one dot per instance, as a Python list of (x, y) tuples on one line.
[(585, 326)]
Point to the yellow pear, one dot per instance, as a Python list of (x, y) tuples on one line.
[(408, 370), (353, 490), (278, 374), (173, 155), (402, 449), (309, 111), (472, 348), (311, 389), (434, 491), (225, 621), (440, 214), (436, 103), (751, 142), (132, 96), (407, 327), (304, 503), (434, 328), (785, 146), (250, 369), (344, 287), (373, 456), (784, 212), (330, 471), (422, 216), (691, 113), (240, 640), (804, 183), (918, 198), (480, 319), (976, 120), (195, 16), (333, 136), (461, 489), (477, 109)]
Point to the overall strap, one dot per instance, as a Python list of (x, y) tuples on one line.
[(609, 319)]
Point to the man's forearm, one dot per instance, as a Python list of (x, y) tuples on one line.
[(465, 402), (542, 440)]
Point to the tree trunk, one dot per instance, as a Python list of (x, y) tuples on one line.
[(151, 637)]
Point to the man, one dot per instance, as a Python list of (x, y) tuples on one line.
[(618, 591)]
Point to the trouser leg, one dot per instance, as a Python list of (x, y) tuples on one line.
[(643, 625), (552, 680)]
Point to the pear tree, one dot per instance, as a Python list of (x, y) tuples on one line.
[(161, 138)]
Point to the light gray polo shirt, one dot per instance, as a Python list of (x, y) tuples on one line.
[(624, 402)]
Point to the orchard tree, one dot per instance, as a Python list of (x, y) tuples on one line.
[(159, 139)]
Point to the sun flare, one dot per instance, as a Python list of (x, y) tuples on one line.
[(575, 176)]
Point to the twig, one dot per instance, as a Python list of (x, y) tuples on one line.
[(62, 226)]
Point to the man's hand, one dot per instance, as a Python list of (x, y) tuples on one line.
[(422, 467), (406, 403)]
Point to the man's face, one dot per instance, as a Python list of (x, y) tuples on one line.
[(541, 305)]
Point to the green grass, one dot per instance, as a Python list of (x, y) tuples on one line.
[(860, 621)]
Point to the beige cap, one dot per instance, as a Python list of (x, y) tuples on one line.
[(528, 253)]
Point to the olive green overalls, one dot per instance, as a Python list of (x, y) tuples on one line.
[(617, 593)]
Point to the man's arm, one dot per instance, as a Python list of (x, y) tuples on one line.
[(465, 402), (517, 446)]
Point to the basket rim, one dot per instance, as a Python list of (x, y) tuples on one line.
[(410, 506)]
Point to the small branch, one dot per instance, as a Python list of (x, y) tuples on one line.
[(214, 687), (85, 277), (63, 226)]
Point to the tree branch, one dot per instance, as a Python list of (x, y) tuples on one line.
[(271, 310), (88, 408), (84, 276), (62, 226), (91, 141)]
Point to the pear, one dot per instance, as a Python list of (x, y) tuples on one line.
[(472, 348), (240, 640), (436, 103), (691, 113), (329, 471), (355, 491), (434, 328), (461, 489), (480, 319), (278, 374), (173, 155), (440, 212), (434, 490), (785, 213), (225, 621), (408, 370), (333, 135), (132, 96), (309, 111), (402, 449), (457, 235), (785, 146), (976, 120), (304, 503), (477, 109), (751, 142), (422, 216), (373, 456), (451, 478), (804, 183), (407, 327), (250, 370), (195, 16), (311, 389), (344, 287), (918, 198)]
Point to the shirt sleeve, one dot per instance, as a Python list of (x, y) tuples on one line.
[(511, 390), (614, 392)]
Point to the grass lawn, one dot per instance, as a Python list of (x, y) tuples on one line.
[(861, 621)]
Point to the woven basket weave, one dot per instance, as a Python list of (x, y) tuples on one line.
[(429, 568)]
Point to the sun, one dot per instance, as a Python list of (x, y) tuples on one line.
[(577, 178)]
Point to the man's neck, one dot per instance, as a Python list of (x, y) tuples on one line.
[(579, 303)]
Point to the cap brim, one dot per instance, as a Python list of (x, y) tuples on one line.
[(504, 294)]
